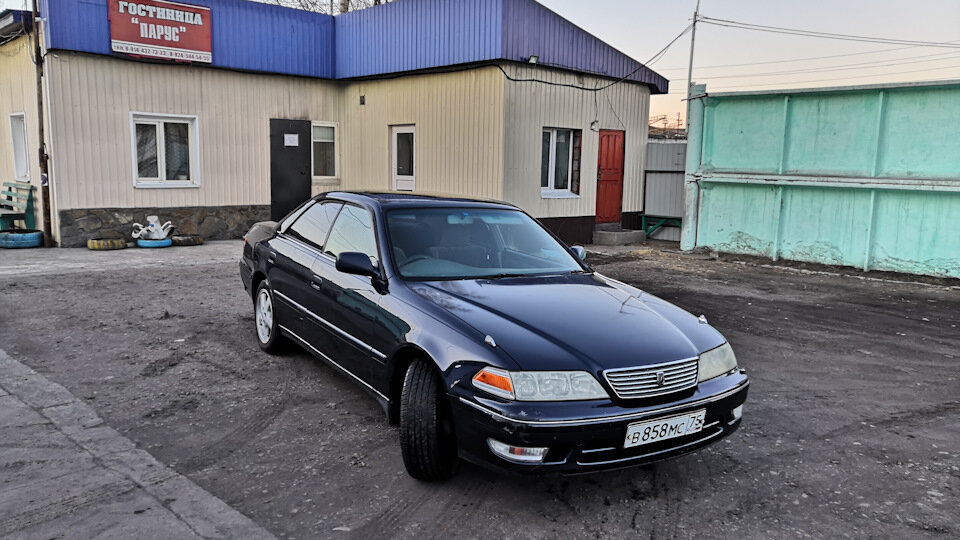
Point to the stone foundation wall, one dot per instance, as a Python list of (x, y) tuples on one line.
[(210, 222)]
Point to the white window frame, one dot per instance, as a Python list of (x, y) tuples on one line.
[(193, 125), (336, 151), (402, 182), (26, 147), (550, 192)]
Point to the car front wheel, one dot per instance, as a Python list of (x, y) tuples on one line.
[(268, 335), (427, 440)]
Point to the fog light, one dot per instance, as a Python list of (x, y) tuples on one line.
[(517, 453), (737, 413)]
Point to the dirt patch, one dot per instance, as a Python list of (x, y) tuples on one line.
[(850, 430)]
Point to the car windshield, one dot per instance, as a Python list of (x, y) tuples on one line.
[(473, 243)]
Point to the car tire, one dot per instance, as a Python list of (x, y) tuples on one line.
[(427, 441), (265, 319), (104, 244), (21, 238), (144, 243), (187, 240)]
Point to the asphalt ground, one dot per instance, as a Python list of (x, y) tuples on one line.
[(851, 428)]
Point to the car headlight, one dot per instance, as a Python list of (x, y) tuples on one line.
[(539, 385), (716, 362)]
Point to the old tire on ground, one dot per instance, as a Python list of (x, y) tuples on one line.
[(265, 318), (427, 440), (166, 242), (101, 244), (25, 238), (187, 239)]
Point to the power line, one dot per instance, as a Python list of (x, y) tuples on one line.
[(847, 67), (843, 78), (826, 35), (653, 59), (788, 60)]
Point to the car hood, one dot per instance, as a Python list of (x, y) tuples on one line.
[(575, 321)]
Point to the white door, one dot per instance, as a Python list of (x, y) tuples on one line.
[(403, 149)]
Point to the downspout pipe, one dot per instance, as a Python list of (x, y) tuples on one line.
[(691, 176)]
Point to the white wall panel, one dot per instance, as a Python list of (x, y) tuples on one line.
[(18, 94), (531, 106), (459, 131), (91, 99)]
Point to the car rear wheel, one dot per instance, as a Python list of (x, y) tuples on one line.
[(268, 334), (427, 440)]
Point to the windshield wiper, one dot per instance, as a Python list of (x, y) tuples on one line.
[(503, 275)]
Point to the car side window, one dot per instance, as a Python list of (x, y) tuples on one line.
[(353, 231), (314, 223)]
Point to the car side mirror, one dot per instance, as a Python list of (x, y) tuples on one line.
[(579, 252), (353, 262)]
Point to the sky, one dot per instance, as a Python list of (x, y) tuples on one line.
[(640, 28)]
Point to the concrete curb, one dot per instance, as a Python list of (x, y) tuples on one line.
[(119, 466)]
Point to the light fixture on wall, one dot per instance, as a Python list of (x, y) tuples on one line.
[(595, 125), (533, 59)]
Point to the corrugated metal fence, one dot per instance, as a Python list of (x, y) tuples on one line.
[(663, 185), (857, 176)]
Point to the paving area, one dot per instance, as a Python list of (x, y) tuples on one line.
[(65, 474), (851, 428)]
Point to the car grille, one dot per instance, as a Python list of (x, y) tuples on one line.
[(644, 381)]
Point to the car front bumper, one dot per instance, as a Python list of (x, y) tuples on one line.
[(592, 440)]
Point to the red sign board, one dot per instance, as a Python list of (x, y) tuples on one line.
[(161, 29)]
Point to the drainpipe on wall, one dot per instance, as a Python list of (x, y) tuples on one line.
[(691, 177), (44, 177)]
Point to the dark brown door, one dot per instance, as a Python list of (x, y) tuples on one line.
[(610, 176)]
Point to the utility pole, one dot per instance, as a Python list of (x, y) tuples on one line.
[(693, 38), (44, 177)]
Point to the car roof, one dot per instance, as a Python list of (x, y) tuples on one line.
[(394, 199)]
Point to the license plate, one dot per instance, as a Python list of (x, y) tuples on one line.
[(664, 428)]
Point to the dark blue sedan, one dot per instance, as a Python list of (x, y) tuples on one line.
[(485, 338)]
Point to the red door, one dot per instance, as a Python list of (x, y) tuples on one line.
[(610, 176)]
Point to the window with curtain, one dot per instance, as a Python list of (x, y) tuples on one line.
[(164, 151)]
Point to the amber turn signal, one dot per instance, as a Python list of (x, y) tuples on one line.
[(495, 381)]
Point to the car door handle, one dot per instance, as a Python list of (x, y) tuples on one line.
[(272, 257), (316, 282)]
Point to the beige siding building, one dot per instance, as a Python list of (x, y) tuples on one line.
[(19, 159), (217, 147)]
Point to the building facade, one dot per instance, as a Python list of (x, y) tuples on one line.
[(254, 108)]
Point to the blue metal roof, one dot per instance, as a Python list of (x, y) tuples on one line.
[(401, 36), (530, 29), (246, 35), (409, 35)]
